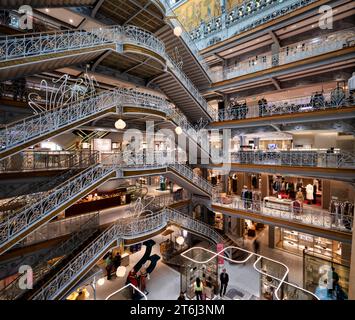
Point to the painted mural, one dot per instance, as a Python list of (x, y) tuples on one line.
[(192, 12)]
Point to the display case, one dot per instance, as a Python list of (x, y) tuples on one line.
[(318, 277), (296, 242), (208, 273)]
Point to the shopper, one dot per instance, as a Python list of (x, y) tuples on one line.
[(224, 278), (109, 265), (143, 279), (256, 246), (333, 281), (198, 286), (117, 261), (181, 297)]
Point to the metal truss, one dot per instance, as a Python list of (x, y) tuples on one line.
[(129, 228), (30, 45)]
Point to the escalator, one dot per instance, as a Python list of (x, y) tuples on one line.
[(16, 226), (43, 264)]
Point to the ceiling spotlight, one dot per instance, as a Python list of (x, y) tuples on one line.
[(120, 124), (177, 31), (71, 20), (47, 10), (178, 130)]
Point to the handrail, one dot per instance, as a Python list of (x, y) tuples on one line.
[(243, 17), (292, 52), (18, 132), (41, 266), (6, 207), (299, 158), (120, 230), (336, 99), (305, 216), (18, 222), (159, 159), (15, 47), (130, 229), (262, 264), (186, 37)]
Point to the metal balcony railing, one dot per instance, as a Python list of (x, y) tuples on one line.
[(43, 265), (15, 224), (29, 45), (122, 229), (158, 159), (302, 158), (29, 160), (295, 52), (67, 226), (22, 131), (245, 16), (306, 215), (185, 36), (335, 99), (26, 218)]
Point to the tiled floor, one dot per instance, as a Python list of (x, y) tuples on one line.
[(164, 282)]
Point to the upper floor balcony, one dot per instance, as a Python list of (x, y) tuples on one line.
[(298, 51), (332, 105), (243, 17)]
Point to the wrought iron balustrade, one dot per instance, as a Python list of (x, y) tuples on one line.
[(156, 159), (47, 160), (245, 16), (293, 52), (287, 211), (335, 99), (135, 228), (302, 158), (19, 132), (17, 223), (186, 36), (28, 45), (43, 265), (122, 229)]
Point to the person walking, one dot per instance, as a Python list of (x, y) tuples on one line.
[(224, 278), (256, 246), (198, 286), (109, 265)]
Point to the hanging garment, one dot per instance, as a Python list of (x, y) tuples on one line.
[(314, 193), (283, 186), (254, 182), (299, 196), (234, 185), (309, 192)]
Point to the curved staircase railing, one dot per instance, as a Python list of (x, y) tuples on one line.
[(30, 45)]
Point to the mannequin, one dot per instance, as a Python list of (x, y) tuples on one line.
[(309, 192), (315, 187), (299, 196), (234, 183)]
